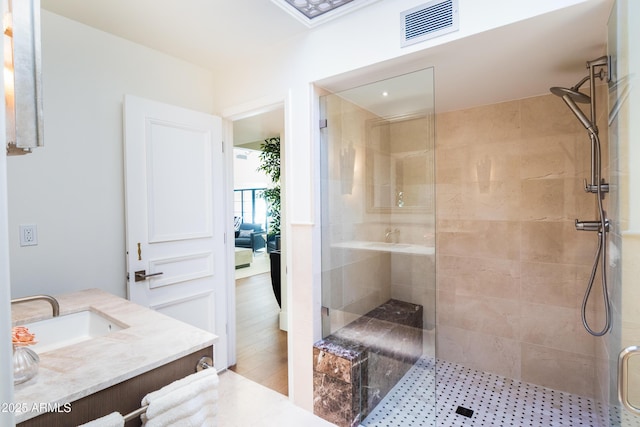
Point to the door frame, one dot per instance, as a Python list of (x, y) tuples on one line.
[(230, 115)]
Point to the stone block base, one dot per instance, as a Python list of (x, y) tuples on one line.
[(355, 367)]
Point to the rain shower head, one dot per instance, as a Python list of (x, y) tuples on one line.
[(572, 93)]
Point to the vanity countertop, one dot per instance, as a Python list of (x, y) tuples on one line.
[(70, 373)]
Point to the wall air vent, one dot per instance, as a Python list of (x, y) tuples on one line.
[(429, 20)]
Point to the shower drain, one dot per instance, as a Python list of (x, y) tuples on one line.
[(419, 401), (466, 412)]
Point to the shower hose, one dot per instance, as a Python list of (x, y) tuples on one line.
[(601, 255)]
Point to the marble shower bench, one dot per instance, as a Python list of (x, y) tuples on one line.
[(356, 366)]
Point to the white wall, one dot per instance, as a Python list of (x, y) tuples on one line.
[(6, 387), (73, 188), (245, 173), (364, 44)]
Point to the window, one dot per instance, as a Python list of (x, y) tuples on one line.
[(250, 206)]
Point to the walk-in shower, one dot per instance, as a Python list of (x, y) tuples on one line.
[(598, 69), (499, 340)]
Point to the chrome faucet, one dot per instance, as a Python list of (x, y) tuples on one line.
[(51, 300), (388, 233)]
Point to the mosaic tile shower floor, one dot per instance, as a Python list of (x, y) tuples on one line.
[(495, 401)]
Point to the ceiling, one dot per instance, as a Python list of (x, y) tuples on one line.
[(209, 33), (404, 95), (255, 129), (511, 62)]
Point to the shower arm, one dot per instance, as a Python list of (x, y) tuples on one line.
[(596, 186)]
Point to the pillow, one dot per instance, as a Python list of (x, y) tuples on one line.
[(245, 233)]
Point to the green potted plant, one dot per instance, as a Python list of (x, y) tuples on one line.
[(270, 164)]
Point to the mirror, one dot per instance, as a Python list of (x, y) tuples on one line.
[(22, 69), (399, 161)]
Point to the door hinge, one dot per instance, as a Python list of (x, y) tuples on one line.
[(222, 143), (323, 123)]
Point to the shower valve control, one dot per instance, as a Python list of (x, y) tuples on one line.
[(591, 225)]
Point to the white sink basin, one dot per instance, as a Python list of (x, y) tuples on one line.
[(69, 329)]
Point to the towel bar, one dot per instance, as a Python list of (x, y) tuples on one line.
[(135, 414), (204, 363)]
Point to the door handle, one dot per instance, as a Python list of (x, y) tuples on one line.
[(623, 381), (142, 275)]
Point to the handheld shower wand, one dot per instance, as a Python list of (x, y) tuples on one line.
[(591, 128)]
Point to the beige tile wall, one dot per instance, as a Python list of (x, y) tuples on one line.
[(511, 268)]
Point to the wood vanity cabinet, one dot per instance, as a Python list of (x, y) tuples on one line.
[(124, 397)]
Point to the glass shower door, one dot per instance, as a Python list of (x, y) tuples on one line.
[(378, 251)]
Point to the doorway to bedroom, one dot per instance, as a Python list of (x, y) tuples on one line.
[(261, 342)]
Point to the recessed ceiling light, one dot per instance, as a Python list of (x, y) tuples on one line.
[(385, 93), (314, 12), (314, 8)]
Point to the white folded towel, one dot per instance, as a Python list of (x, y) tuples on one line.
[(114, 419), (190, 401)]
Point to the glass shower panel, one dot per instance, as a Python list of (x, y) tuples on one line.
[(624, 100), (378, 237)]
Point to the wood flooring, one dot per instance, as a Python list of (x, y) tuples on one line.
[(261, 345)]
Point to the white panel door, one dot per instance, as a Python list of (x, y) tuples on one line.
[(175, 214)]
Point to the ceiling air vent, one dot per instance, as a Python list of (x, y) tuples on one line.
[(429, 20)]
